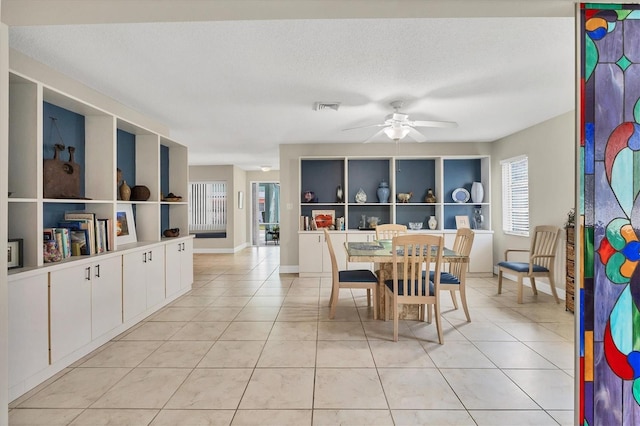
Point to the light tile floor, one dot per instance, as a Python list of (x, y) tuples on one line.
[(248, 346)]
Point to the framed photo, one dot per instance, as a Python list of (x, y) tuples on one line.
[(125, 224), (323, 218), (462, 222), (14, 253)]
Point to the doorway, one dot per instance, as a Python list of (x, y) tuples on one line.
[(265, 213)]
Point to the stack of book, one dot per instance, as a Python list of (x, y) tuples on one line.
[(80, 233)]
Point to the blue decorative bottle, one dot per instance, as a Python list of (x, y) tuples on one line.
[(383, 192)]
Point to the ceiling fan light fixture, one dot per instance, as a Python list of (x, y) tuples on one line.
[(396, 133), (265, 168)]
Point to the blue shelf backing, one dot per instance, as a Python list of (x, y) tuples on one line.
[(366, 174), (322, 177), (416, 176), (127, 156), (71, 127), (164, 170), (460, 174)]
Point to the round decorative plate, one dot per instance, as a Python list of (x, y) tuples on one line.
[(460, 195)]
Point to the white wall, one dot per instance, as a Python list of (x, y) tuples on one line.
[(550, 147)]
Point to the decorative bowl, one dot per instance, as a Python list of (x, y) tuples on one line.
[(415, 225)]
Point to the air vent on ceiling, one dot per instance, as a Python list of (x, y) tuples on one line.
[(317, 106)]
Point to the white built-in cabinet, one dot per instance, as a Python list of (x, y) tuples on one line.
[(314, 255), (445, 175), (28, 303), (178, 266), (85, 303), (143, 280), (59, 312)]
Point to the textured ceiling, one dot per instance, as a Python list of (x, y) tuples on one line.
[(235, 90)]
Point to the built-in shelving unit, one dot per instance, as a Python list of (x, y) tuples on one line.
[(60, 311), (404, 175), (41, 117), (444, 175)]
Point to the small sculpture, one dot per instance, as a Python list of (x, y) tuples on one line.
[(308, 196), (170, 233), (404, 197), (431, 197), (361, 196), (339, 194)]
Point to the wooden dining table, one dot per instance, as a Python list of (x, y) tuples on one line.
[(382, 256)]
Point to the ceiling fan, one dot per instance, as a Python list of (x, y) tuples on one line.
[(397, 125)]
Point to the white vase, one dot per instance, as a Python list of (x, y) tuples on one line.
[(477, 192), (433, 223)]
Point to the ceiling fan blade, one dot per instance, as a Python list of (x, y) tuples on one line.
[(424, 123), (364, 127), (378, 133), (416, 135)]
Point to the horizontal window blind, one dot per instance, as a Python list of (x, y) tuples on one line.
[(515, 195), (207, 206)]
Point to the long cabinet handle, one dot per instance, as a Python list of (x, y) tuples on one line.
[(98, 270), (144, 257), (88, 273), (179, 247), (150, 256)]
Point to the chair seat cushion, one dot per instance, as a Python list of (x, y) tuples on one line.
[(522, 267), (445, 277), (357, 276), (389, 284)]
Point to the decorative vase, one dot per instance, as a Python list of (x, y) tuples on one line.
[(339, 194), (478, 218), (140, 193), (125, 191), (383, 192), (477, 192), (433, 223), (431, 197), (361, 196)]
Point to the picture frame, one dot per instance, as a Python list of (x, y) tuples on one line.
[(323, 218), (15, 253), (125, 224), (462, 222)]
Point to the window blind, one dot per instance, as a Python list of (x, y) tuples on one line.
[(207, 206), (515, 195)]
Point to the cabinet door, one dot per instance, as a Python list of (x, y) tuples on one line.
[(186, 267), (134, 285), (311, 247), (70, 308), (28, 327), (106, 296), (481, 257), (173, 260), (155, 276)]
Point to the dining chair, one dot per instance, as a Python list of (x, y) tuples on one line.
[(413, 254), (456, 277), (542, 256), (389, 230), (356, 278)]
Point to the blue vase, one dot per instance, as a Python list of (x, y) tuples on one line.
[(383, 192)]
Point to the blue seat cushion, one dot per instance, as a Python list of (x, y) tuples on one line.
[(357, 276), (389, 284), (445, 277), (522, 267)]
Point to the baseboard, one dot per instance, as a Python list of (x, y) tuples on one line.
[(541, 284), (289, 269)]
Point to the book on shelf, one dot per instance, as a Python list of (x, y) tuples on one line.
[(64, 241), (79, 242), (89, 223)]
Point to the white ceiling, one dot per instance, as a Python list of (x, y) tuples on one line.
[(234, 90)]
